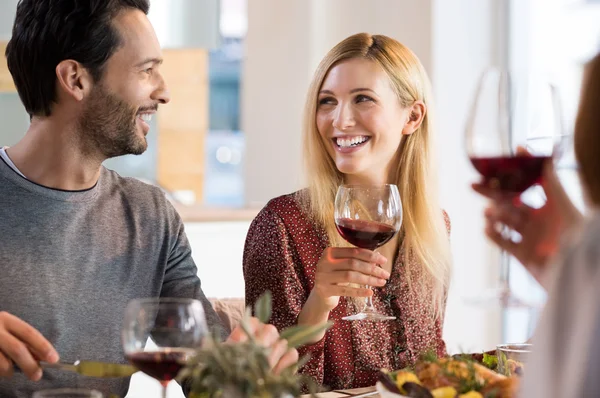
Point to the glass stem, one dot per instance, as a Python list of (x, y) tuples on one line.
[(505, 264), (505, 271), (369, 300), (164, 390)]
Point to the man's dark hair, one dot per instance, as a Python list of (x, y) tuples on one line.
[(46, 32)]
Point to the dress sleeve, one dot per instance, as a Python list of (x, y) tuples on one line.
[(272, 263)]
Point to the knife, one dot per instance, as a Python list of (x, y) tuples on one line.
[(92, 368)]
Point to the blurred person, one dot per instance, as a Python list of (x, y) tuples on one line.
[(368, 121), (559, 247), (78, 241)]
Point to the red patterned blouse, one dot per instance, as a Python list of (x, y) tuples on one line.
[(282, 249)]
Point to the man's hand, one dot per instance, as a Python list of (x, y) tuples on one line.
[(23, 345), (280, 356)]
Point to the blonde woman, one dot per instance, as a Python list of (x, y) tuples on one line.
[(368, 121)]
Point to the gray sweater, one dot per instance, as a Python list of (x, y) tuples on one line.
[(70, 262)]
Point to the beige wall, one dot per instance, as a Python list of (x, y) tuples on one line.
[(276, 72), (467, 37), (285, 42)]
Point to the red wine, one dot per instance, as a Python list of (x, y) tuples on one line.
[(162, 365), (511, 173), (365, 234)]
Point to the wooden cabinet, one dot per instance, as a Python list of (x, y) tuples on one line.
[(183, 123), (6, 81)]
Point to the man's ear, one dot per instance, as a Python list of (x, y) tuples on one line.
[(416, 114), (73, 79)]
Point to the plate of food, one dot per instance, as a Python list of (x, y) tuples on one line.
[(450, 377)]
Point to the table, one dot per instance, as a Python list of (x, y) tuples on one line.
[(346, 393)]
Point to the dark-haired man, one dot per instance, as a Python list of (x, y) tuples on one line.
[(78, 241)]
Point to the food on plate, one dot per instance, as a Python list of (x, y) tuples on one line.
[(491, 361), (444, 392), (471, 394), (450, 378), (403, 377)]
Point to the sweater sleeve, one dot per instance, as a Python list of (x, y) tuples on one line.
[(181, 274)]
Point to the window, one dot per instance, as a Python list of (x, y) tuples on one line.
[(224, 183), (557, 36)]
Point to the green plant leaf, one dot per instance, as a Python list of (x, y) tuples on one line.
[(245, 324), (299, 335), (303, 361), (244, 366), (263, 307)]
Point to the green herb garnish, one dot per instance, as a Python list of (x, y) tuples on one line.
[(490, 361)]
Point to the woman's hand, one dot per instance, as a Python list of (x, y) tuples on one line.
[(341, 267), (341, 271)]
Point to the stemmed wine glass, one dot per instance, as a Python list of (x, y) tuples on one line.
[(368, 217), (511, 111), (160, 334)]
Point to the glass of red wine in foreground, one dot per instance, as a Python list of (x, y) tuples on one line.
[(160, 334), (510, 111), (368, 217)]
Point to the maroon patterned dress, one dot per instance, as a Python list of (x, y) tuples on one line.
[(282, 249)]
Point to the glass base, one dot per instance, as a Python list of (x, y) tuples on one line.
[(367, 315)]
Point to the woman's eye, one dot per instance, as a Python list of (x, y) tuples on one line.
[(363, 98), (148, 71), (326, 101)]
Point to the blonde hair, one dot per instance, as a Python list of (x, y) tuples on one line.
[(587, 131), (425, 234)]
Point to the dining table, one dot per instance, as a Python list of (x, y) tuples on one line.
[(355, 392)]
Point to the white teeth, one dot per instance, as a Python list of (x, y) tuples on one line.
[(348, 142), (146, 116)]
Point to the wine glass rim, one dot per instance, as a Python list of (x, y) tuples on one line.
[(368, 185), (165, 300), (516, 348)]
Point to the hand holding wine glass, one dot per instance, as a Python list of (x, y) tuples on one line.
[(510, 111), (368, 217), (540, 228), (340, 269), (173, 327)]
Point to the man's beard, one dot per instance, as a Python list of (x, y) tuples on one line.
[(108, 126)]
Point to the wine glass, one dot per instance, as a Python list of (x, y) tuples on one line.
[(368, 217), (160, 334), (512, 112), (67, 393)]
